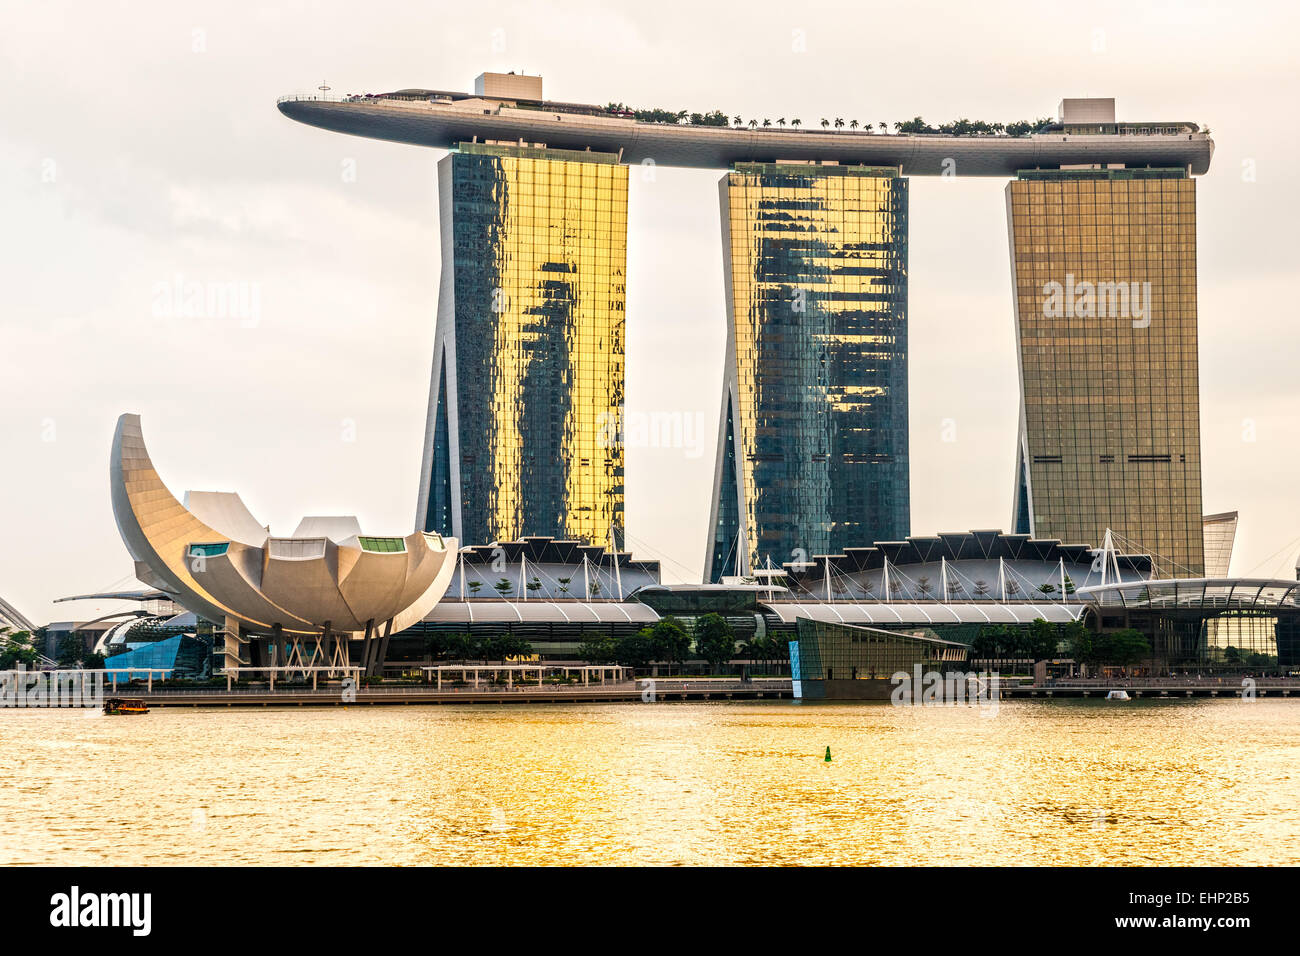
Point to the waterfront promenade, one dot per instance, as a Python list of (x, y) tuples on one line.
[(162, 693), (667, 689), (642, 690)]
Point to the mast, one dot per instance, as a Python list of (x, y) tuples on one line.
[(613, 557)]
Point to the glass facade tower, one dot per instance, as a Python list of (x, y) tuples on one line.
[(1103, 268), (528, 371), (813, 449)]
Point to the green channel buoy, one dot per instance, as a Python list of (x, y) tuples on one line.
[(828, 755)]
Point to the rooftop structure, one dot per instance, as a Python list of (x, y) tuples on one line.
[(500, 112)]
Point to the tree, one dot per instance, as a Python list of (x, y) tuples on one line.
[(1125, 647), (714, 639), (737, 120), (1078, 642), (17, 649), (753, 123), (512, 645), (781, 122), (535, 585), (564, 584), (981, 588), (853, 124), (70, 650), (924, 586), (914, 125), (599, 650), (669, 641), (634, 650), (839, 123), (766, 123), (796, 122), (1043, 641), (503, 587), (452, 647), (825, 122), (711, 118), (474, 586)]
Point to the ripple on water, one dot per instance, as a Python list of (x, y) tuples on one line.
[(1177, 782)]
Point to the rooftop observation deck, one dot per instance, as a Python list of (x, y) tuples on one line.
[(442, 119)]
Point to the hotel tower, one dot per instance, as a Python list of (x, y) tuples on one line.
[(1103, 262), (812, 453), (528, 366)]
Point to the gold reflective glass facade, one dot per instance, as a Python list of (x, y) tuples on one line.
[(814, 455), (529, 372), (1104, 272)]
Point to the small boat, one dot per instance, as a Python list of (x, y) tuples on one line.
[(1118, 695), (114, 706)]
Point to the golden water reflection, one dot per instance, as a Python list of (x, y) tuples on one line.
[(1085, 782)]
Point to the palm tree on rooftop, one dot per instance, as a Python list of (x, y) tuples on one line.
[(753, 123), (839, 123), (737, 120), (825, 122), (853, 124), (781, 122), (884, 127), (766, 123), (796, 122)]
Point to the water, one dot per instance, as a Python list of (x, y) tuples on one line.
[(1071, 782)]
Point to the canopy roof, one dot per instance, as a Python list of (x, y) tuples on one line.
[(1196, 593), (926, 614), (540, 612)]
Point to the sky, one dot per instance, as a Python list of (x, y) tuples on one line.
[(140, 147)]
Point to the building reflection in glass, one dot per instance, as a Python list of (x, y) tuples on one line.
[(528, 375), (813, 449)]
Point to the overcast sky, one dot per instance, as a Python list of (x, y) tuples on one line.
[(140, 144)]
